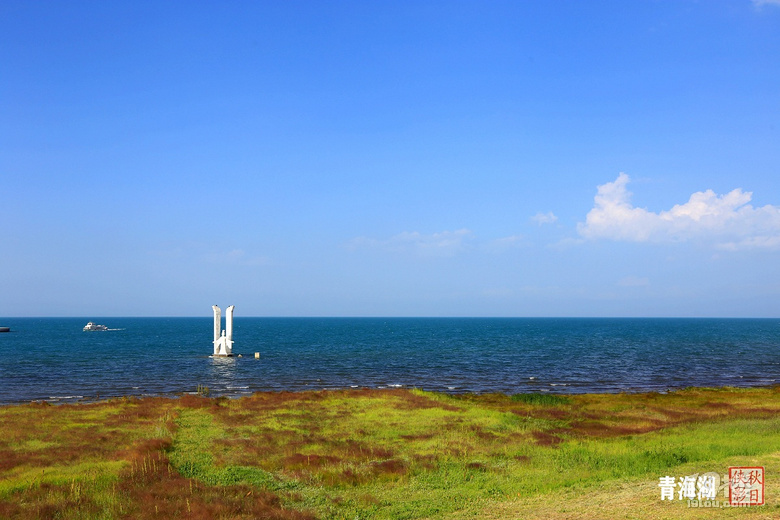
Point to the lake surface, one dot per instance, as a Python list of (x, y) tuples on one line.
[(53, 359)]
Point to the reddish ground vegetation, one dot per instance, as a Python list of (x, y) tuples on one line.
[(302, 436), (47, 501), (391, 466), (155, 490), (599, 429), (149, 487), (418, 437), (546, 439), (298, 460), (405, 400)]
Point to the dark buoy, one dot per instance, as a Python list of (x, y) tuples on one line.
[(5, 329)]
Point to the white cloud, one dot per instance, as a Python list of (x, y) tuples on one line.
[(544, 218), (760, 242), (761, 3), (446, 243), (727, 220)]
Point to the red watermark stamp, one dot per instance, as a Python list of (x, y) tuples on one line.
[(743, 486), (746, 486)]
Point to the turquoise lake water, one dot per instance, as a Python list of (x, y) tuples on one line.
[(53, 359)]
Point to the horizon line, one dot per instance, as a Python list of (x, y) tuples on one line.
[(402, 317)]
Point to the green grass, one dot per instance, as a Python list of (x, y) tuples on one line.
[(541, 399), (390, 454)]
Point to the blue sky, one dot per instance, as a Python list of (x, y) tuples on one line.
[(523, 158)]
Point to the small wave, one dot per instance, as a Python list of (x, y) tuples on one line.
[(66, 397), (395, 386)]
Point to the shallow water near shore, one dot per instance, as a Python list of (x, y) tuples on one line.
[(52, 359)]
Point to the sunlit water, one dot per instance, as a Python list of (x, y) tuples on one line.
[(53, 359)]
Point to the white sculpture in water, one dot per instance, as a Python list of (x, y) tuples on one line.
[(223, 339)]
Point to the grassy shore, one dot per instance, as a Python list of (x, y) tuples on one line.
[(384, 454)]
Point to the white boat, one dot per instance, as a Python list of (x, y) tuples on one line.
[(94, 326)]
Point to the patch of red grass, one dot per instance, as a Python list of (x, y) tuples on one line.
[(195, 401), (155, 490), (598, 429), (47, 501), (418, 437), (298, 460), (406, 400), (262, 401), (69, 447), (718, 405), (546, 439), (428, 462), (134, 412), (10, 459), (347, 477), (482, 434), (360, 450), (389, 467), (148, 487), (553, 413)]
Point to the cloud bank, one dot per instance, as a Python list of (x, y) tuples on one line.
[(728, 221)]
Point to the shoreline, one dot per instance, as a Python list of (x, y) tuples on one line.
[(204, 392)]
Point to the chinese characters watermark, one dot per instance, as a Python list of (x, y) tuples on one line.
[(741, 487), (746, 486)]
